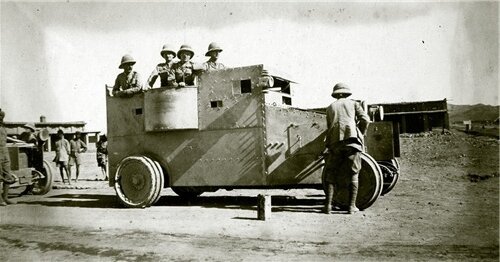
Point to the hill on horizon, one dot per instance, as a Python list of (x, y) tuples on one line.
[(476, 113)]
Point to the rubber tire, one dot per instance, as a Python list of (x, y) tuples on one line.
[(138, 181)]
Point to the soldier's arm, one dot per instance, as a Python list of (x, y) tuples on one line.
[(117, 87), (83, 145), (152, 78)]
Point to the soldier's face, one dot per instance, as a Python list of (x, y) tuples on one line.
[(214, 55), (185, 56), (128, 67), (168, 56)]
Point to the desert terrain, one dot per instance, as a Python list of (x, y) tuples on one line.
[(445, 207)]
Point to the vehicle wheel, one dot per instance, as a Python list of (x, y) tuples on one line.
[(391, 176), (43, 186), (370, 185), (187, 192), (138, 181)]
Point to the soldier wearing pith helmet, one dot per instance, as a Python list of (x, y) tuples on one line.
[(184, 75), (214, 49), (164, 70), (127, 83), (346, 125)]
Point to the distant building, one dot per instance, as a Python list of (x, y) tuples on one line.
[(16, 129), (416, 117)]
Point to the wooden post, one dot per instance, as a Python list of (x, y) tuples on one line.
[(263, 207)]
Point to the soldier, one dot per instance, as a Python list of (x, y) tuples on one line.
[(344, 143), (29, 135), (6, 177), (62, 155), (77, 146), (184, 75), (213, 52), (164, 70), (127, 83)]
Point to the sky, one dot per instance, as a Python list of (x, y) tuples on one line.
[(56, 57)]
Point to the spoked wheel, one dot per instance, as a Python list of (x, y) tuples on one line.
[(138, 181), (390, 171), (43, 184), (370, 185), (188, 192)]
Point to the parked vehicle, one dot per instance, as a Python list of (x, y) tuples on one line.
[(236, 128)]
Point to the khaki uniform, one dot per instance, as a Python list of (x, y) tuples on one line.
[(127, 85), (166, 74), (344, 139), (77, 146), (184, 72), (212, 66), (5, 171)]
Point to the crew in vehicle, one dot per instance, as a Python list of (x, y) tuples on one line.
[(164, 70), (184, 75), (127, 83), (213, 52)]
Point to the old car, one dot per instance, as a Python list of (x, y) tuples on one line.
[(34, 174), (236, 128)]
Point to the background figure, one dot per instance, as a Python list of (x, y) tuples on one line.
[(164, 70), (102, 155), (213, 52), (77, 146), (62, 155), (184, 68), (6, 177), (127, 83), (344, 143)]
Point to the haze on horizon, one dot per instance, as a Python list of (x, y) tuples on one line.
[(56, 57)]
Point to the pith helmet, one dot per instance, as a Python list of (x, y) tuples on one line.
[(213, 47), (126, 59), (186, 48), (341, 88), (167, 49), (30, 126)]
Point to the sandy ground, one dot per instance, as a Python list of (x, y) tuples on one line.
[(445, 207)]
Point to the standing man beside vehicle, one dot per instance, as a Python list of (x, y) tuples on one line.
[(77, 146), (164, 70), (6, 177), (62, 155), (344, 141)]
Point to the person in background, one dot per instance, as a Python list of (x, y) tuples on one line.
[(77, 146), (102, 155), (213, 52), (184, 75), (345, 144), (62, 149), (6, 176), (164, 70), (128, 82)]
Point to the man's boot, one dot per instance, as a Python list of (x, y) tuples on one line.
[(5, 195), (329, 198), (353, 193)]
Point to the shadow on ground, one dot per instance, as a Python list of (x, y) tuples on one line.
[(279, 203)]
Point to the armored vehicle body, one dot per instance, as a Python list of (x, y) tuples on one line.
[(236, 128)]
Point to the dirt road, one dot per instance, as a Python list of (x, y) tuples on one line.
[(445, 207)]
